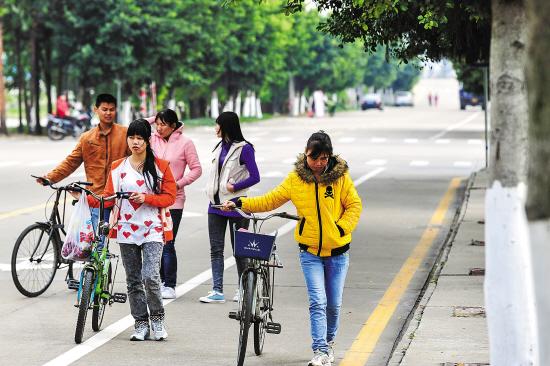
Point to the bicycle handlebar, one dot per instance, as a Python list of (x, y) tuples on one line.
[(252, 216), (79, 187)]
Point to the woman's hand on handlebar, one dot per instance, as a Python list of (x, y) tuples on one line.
[(228, 206), (76, 195), (137, 197)]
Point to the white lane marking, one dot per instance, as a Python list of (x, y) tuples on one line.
[(475, 142), (289, 161), (442, 141), (283, 139), (462, 163), (4, 164), (377, 162), (362, 179), (191, 214), (43, 163), (274, 174), (346, 140), (5, 267), (419, 163), (260, 159), (378, 140), (410, 141), (455, 126)]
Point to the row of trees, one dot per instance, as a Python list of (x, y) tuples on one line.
[(189, 48)]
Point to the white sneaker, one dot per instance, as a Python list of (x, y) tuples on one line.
[(141, 331), (330, 352), (237, 295), (158, 330), (168, 293), (320, 358), (213, 297)]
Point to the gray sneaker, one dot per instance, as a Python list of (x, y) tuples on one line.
[(330, 352), (158, 330), (320, 358), (141, 331)]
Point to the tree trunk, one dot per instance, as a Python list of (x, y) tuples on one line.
[(48, 71), (20, 79), (538, 198), (35, 79), (509, 290), (3, 128)]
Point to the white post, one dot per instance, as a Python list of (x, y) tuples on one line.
[(246, 107), (319, 100), (259, 113), (237, 106), (214, 109)]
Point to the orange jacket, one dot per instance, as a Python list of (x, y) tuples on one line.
[(97, 152)]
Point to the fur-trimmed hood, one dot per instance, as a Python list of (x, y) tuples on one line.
[(336, 168)]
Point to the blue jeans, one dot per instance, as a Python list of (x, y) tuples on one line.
[(216, 230), (95, 219), (169, 262), (325, 277)]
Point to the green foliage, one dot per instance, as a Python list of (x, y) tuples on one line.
[(409, 28)]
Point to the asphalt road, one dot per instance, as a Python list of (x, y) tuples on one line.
[(403, 161)]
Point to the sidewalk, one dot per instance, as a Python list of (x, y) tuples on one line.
[(449, 327)]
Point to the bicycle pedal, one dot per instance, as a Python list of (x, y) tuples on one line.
[(73, 284), (234, 315), (273, 328), (119, 297)]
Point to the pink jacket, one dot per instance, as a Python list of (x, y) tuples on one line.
[(180, 151)]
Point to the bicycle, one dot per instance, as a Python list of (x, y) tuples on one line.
[(257, 282), (97, 280), (36, 255)]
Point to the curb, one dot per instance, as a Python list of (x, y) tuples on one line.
[(414, 318)]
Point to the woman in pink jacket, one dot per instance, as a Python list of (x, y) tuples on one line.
[(169, 143)]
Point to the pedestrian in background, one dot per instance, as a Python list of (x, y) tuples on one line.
[(326, 199), (232, 172), (169, 143)]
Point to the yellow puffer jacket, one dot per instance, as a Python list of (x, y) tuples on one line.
[(329, 209)]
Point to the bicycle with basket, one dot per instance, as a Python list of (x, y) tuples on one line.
[(257, 282)]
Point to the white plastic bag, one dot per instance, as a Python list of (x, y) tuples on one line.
[(80, 232)]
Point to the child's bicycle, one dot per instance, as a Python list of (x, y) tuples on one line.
[(97, 279), (36, 255), (257, 282)]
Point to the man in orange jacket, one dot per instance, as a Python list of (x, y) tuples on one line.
[(97, 149)]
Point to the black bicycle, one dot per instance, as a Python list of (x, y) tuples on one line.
[(257, 282), (36, 254)]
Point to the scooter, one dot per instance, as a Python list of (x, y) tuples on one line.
[(59, 127)]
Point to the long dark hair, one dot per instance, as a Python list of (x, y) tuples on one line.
[(230, 128), (141, 127)]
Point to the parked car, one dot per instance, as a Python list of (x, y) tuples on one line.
[(468, 98), (371, 101), (403, 98)]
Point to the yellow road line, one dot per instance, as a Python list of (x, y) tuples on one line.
[(366, 341), (25, 210)]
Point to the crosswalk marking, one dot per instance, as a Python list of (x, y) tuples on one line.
[(283, 139), (346, 140), (410, 141), (376, 162), (442, 141), (475, 142), (5, 164), (419, 163), (462, 163), (378, 140)]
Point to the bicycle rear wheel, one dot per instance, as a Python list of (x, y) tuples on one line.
[(246, 313), (263, 304), (85, 295), (100, 302), (34, 260)]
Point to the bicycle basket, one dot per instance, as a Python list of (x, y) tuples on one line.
[(253, 245)]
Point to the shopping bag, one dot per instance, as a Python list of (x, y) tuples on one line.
[(80, 232)]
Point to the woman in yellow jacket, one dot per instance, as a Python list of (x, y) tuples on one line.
[(326, 200)]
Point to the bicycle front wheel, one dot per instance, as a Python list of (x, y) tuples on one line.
[(263, 305), (246, 313), (34, 260), (84, 305), (101, 300)]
